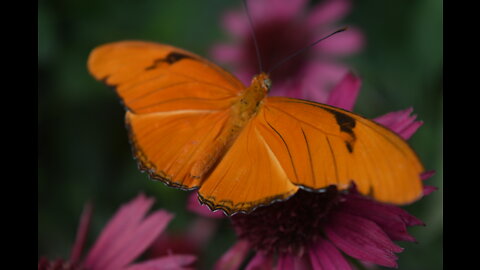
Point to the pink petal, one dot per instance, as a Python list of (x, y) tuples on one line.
[(234, 257), (345, 93), (328, 11), (131, 245), (194, 205), (362, 239), (325, 256), (81, 234), (348, 42), (260, 262), (292, 262), (427, 190), (288, 88), (278, 9), (395, 119), (320, 78), (400, 122), (424, 176), (167, 262), (127, 235), (409, 220), (236, 23), (286, 262), (124, 220), (226, 53), (392, 219), (408, 132), (265, 11)]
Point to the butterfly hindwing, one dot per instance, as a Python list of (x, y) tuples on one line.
[(248, 176), (167, 144)]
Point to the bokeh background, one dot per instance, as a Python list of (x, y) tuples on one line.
[(84, 154)]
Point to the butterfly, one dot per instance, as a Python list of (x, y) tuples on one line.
[(193, 125)]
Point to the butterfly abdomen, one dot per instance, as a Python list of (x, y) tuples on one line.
[(216, 150)]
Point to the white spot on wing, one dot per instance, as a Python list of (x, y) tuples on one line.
[(177, 112)]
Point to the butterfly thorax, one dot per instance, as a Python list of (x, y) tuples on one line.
[(250, 99), (243, 109)]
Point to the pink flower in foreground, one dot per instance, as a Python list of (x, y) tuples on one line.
[(126, 236), (316, 230), (283, 27)]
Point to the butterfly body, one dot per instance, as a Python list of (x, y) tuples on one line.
[(192, 125), (242, 110)]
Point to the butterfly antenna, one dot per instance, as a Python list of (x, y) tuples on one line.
[(257, 50), (306, 48)]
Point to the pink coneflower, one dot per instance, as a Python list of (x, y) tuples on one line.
[(283, 27), (320, 230), (125, 237)]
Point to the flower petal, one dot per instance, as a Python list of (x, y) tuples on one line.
[(328, 11), (424, 176), (174, 262), (279, 9), (348, 42), (361, 239), (272, 10), (119, 245), (392, 219), (325, 256), (236, 23), (288, 88), (226, 53), (427, 190), (292, 262), (345, 93), (136, 242), (320, 78), (194, 205), (81, 234), (400, 122), (260, 262), (124, 221), (234, 257)]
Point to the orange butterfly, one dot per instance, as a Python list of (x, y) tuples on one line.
[(194, 125)]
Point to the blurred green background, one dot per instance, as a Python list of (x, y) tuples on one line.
[(84, 152)]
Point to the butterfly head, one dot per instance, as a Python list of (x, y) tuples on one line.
[(262, 81)]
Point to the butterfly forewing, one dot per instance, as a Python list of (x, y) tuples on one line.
[(249, 175), (177, 103), (151, 77), (327, 145)]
